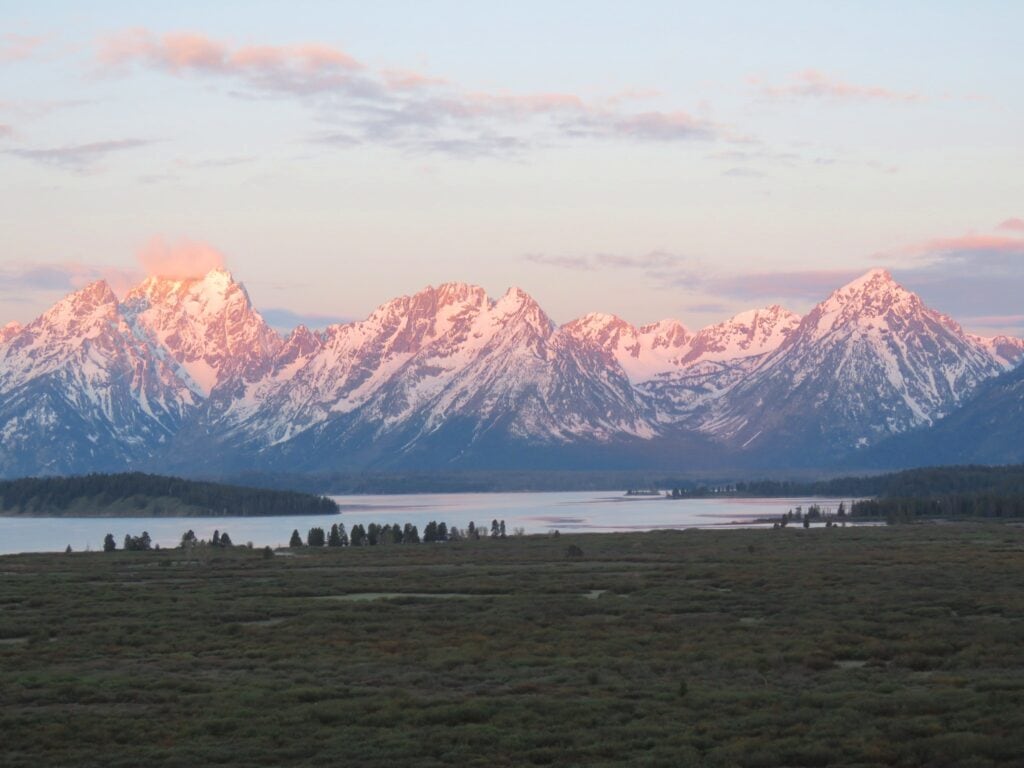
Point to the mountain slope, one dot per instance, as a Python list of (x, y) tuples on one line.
[(78, 390), (868, 362), (717, 358), (447, 367), (206, 326), (185, 374), (986, 430)]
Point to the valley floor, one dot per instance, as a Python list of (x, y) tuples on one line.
[(843, 647)]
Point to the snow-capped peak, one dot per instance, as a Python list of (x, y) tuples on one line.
[(1008, 351), (81, 311), (751, 333), (207, 325)]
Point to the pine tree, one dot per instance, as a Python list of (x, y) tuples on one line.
[(411, 534), (495, 531), (358, 535), (334, 538), (501, 529), (430, 532), (109, 545), (296, 540), (315, 537)]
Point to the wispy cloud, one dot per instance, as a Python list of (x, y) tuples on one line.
[(1011, 225), (975, 275), (812, 84), (653, 261), (6, 130), (79, 157), (14, 47), (409, 110), (24, 281), (744, 173), (995, 322)]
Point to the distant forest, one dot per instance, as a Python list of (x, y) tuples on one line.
[(136, 494), (928, 482), (910, 483), (948, 492)]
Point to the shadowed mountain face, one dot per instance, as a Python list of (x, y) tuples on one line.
[(186, 375), (869, 362), (988, 429)]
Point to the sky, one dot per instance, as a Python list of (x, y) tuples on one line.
[(649, 159)]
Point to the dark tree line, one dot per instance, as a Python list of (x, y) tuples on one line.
[(988, 505), (56, 495), (144, 543), (374, 534), (928, 482)]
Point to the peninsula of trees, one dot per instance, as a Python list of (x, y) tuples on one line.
[(141, 495)]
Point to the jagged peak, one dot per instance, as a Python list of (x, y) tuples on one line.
[(96, 293), (89, 304), (218, 278), (597, 321), (876, 281), (668, 324), (873, 294), (773, 313), (517, 297)]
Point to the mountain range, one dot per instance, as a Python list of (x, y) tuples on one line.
[(185, 375)]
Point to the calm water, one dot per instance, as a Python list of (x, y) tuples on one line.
[(534, 512)]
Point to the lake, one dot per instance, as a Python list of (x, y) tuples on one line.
[(580, 512)]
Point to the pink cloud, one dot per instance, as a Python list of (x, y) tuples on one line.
[(1012, 225), (814, 84), (401, 79), (17, 47), (663, 126), (972, 242), (409, 110), (180, 259), (995, 321), (179, 52)]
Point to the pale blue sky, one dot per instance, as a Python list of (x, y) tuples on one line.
[(652, 159)]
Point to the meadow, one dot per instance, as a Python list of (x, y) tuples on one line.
[(855, 646)]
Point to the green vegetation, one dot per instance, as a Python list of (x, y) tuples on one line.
[(856, 646), (928, 482), (948, 506), (136, 494), (946, 492)]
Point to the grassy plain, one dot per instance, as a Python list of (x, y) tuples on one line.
[(825, 647)]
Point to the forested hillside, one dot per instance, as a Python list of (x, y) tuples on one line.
[(140, 495)]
